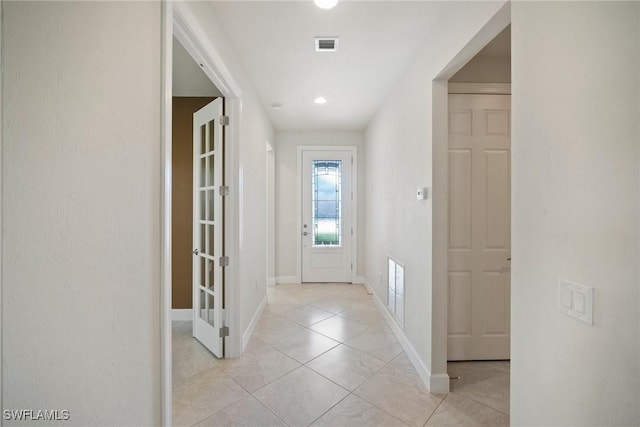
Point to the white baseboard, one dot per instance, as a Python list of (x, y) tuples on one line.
[(271, 281), (435, 383), (181, 314), (246, 336), (287, 279), (359, 279), (439, 383)]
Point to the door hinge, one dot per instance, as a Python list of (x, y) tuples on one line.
[(352, 160), (223, 261), (224, 120), (224, 331), (352, 231), (351, 266), (223, 190), (352, 195)]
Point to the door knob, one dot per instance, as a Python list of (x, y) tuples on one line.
[(195, 252)]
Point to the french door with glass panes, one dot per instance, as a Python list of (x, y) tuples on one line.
[(208, 226), (326, 215)]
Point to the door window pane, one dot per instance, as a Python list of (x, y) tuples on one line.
[(203, 171), (211, 197), (203, 205), (210, 308), (327, 202), (202, 309), (203, 139), (210, 170)]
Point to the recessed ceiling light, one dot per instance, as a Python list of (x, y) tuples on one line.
[(320, 100), (325, 4), (276, 106)]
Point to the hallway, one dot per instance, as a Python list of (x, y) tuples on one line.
[(322, 354)]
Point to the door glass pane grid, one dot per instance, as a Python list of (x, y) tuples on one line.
[(203, 206), (210, 240), (210, 308), (202, 312), (206, 306), (206, 272), (211, 194), (210, 165), (326, 202), (210, 140), (203, 139)]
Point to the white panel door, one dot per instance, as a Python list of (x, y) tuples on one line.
[(479, 227), (326, 215), (208, 227)]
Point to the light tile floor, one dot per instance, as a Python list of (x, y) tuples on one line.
[(323, 355)]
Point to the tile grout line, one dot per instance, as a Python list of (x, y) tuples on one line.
[(480, 403), (350, 392), (368, 328), (332, 406), (435, 410), (269, 409)]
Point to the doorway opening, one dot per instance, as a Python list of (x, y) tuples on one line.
[(193, 76), (479, 218), (485, 72)]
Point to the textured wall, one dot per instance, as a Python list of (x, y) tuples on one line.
[(399, 159), (575, 211), (81, 207)]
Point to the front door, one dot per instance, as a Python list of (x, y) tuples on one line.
[(326, 215), (208, 226), (479, 227)]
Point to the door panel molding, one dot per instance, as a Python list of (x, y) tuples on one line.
[(480, 88), (479, 195)]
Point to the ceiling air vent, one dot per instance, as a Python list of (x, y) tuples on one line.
[(327, 44)]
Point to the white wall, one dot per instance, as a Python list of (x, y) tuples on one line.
[(287, 145), (485, 70), (188, 79), (255, 130), (575, 211), (270, 194), (81, 210), (399, 160)]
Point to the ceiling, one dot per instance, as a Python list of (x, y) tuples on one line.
[(274, 42), (188, 77)]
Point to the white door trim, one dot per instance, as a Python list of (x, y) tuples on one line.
[(178, 20), (1, 186), (270, 186), (480, 88), (354, 204)]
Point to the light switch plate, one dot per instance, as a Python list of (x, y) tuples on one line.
[(576, 300)]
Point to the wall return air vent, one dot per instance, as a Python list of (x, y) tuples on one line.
[(327, 44)]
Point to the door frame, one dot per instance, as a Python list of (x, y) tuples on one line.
[(354, 204), (178, 20), (270, 217), (439, 378)]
